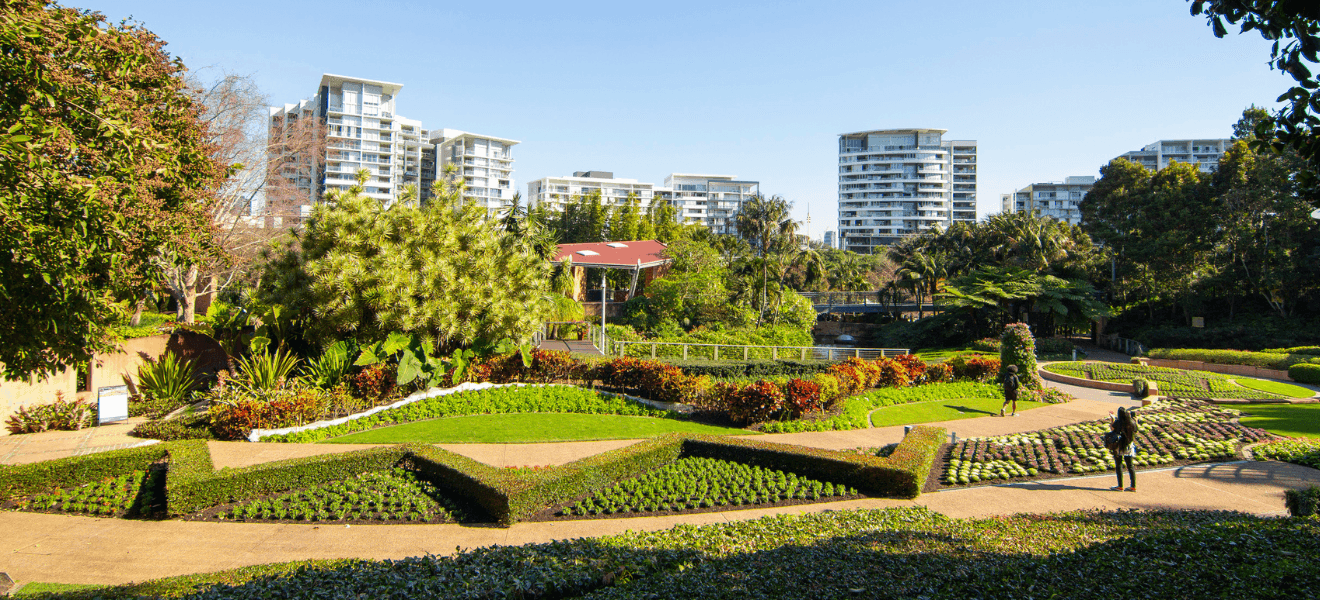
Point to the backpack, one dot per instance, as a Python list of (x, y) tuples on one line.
[(1113, 441), (1011, 383)]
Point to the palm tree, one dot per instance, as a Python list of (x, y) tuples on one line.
[(766, 225)]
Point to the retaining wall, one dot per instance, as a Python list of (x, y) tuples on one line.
[(1088, 383), (1196, 365)]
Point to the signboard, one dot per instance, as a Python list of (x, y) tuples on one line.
[(1198, 321), (112, 403)]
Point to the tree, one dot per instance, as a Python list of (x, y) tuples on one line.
[(255, 204), (1295, 23), (765, 225), (443, 272), (104, 166)]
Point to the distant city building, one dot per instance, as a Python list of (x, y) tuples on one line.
[(485, 164), (1202, 153), (364, 131), (711, 200), (555, 192), (1060, 200), (829, 239), (895, 183)]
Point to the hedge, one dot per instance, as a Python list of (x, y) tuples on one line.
[(194, 485), (1304, 373), (35, 478), (753, 368), (901, 474), (507, 496), (1264, 360)]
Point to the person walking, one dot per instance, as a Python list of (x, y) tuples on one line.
[(1011, 385), (1121, 442)]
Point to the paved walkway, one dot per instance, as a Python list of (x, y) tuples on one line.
[(67, 549), (48, 445)]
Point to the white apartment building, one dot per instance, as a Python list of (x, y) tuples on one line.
[(555, 192), (1202, 153), (711, 200), (484, 162), (1058, 199), (829, 239), (899, 182), (363, 130)]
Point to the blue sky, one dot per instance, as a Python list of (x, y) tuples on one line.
[(758, 89)]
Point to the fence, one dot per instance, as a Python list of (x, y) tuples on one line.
[(1124, 345), (688, 351)]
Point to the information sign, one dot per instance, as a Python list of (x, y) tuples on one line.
[(112, 403)]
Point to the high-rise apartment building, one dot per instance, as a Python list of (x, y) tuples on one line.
[(829, 239), (899, 182), (1058, 199), (555, 192), (1202, 153), (711, 200), (484, 162), (363, 130)]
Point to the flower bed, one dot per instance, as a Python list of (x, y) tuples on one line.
[(129, 494), (1175, 383), (1170, 431), (1304, 452), (705, 483), (394, 496)]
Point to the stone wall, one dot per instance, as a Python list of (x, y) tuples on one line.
[(1242, 370)]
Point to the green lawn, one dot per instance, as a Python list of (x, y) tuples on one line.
[(943, 410), (1293, 420), (941, 355), (37, 588), (527, 428), (1277, 387)]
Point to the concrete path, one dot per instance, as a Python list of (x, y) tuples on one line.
[(48, 445), (67, 549)]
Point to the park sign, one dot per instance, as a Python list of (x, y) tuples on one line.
[(112, 404)]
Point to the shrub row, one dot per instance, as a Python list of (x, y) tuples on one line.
[(1264, 360), (1304, 373), (514, 399), (193, 484), (751, 368), (855, 409), (185, 427), (34, 478)]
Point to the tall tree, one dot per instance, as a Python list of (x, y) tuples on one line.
[(765, 224), (104, 165), (1294, 27)]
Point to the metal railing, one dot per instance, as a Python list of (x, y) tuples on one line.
[(1124, 345), (745, 351)]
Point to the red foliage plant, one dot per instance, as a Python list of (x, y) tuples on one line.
[(756, 402), (802, 397)]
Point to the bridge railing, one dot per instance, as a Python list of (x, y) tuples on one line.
[(688, 351)]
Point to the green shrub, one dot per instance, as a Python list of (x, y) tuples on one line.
[(1304, 502), (45, 476), (186, 427), (265, 371), (331, 368), (1304, 373), (751, 368), (1312, 350), (1305, 452), (855, 409), (167, 383), (1018, 347), (1264, 360)]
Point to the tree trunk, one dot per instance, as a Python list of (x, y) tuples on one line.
[(137, 310), (185, 293)]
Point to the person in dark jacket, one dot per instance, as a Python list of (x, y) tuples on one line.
[(1125, 451), (1011, 385)]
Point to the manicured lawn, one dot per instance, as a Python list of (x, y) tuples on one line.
[(1293, 420), (529, 427), (943, 410), (1277, 387)]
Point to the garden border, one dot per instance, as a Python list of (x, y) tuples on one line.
[(1124, 387), (1198, 365)]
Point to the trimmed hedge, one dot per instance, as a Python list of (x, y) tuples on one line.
[(35, 478), (901, 474), (194, 485), (752, 368), (1264, 360), (1305, 373)]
